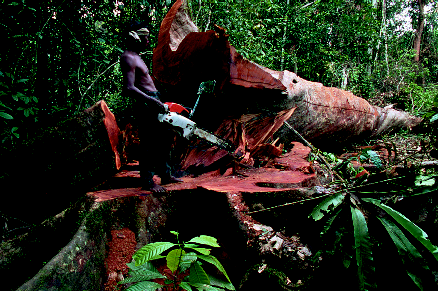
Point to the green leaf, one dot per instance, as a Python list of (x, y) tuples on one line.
[(13, 131), (434, 118), (146, 276), (5, 115), (146, 270), (157, 257), (190, 257), (417, 232), (1, 104), (421, 180), (174, 258), (220, 283), (212, 260), (203, 251), (198, 275), (147, 266), (206, 287), (185, 286), (205, 240), (151, 251), (375, 159), (362, 243), (409, 255), (422, 190), (145, 286), (327, 205), (329, 222)]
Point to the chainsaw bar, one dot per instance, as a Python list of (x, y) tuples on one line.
[(188, 128), (223, 144)]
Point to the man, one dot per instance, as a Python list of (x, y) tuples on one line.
[(155, 138)]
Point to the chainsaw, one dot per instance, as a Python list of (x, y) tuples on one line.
[(188, 128)]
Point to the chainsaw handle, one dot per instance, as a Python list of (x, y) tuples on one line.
[(175, 107)]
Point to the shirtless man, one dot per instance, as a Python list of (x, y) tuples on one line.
[(155, 138)]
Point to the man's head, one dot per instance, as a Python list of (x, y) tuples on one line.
[(137, 37)]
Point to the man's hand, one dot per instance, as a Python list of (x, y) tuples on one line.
[(161, 108)]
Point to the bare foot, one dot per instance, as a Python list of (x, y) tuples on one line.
[(155, 188), (170, 180)]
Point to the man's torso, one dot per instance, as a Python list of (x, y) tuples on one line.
[(143, 80)]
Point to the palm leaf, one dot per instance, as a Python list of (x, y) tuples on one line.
[(151, 251), (327, 205), (329, 222), (407, 251), (417, 232), (364, 256)]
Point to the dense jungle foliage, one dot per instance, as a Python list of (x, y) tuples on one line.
[(60, 57)]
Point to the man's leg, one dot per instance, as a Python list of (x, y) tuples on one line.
[(148, 147), (164, 169)]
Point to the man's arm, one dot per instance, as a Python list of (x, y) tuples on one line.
[(128, 66)]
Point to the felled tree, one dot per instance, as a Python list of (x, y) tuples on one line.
[(326, 116)]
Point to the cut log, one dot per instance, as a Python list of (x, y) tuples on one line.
[(49, 171)]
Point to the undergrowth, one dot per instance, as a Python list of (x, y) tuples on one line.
[(184, 266)]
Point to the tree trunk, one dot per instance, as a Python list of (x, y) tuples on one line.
[(419, 30)]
